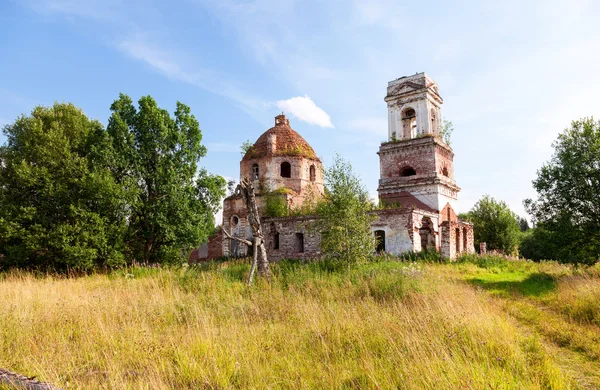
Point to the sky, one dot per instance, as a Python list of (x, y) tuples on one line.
[(513, 74)]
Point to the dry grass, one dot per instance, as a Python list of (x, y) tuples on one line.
[(385, 325)]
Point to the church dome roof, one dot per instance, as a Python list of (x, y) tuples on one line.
[(280, 140)]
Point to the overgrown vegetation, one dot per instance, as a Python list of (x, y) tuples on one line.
[(483, 322), (446, 132)]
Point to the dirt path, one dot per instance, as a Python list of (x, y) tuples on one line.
[(568, 351)]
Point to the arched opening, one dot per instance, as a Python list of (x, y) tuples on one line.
[(409, 123), (276, 241), (407, 171), (457, 241), (299, 242), (313, 173), (286, 169), (254, 172), (445, 171), (433, 122), (234, 220), (426, 234), (465, 245), (380, 241)]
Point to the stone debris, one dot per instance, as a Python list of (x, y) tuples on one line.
[(18, 381)]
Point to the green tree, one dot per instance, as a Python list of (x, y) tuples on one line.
[(345, 221), (495, 224), (523, 224), (59, 208), (568, 205), (171, 201)]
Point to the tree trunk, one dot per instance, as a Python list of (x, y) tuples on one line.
[(246, 188)]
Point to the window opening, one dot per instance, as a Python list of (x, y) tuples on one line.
[(300, 242), (286, 169), (407, 171), (255, 171), (313, 173), (457, 241)]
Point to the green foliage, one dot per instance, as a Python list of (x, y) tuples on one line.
[(523, 224), (246, 147), (155, 159), (276, 204), (568, 206), (495, 224), (345, 221), (59, 206), (446, 132), (539, 244)]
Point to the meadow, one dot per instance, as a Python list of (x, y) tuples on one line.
[(480, 323)]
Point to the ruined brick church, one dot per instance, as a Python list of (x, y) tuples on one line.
[(416, 184)]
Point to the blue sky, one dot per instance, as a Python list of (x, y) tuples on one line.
[(513, 74)]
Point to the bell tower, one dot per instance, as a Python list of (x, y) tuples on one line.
[(415, 162)]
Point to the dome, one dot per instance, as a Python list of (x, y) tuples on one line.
[(280, 140)]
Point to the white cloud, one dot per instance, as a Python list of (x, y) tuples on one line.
[(303, 108), (169, 64)]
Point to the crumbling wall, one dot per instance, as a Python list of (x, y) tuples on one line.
[(397, 223), (457, 238), (285, 232)]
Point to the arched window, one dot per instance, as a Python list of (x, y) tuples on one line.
[(380, 241), (254, 172), (445, 171), (313, 173), (286, 169), (426, 233), (407, 171), (409, 123), (234, 220)]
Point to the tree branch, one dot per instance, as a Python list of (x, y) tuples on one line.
[(236, 238)]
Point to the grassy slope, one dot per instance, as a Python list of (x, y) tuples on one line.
[(482, 324)]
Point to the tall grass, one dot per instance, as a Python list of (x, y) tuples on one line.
[(381, 325)]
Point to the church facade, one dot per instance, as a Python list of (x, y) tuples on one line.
[(417, 189)]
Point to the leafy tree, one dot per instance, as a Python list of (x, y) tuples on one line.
[(568, 205), (540, 244), (59, 208), (345, 220), (171, 201), (495, 224), (523, 224)]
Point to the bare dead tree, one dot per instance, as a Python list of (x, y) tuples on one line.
[(18, 381), (259, 252)]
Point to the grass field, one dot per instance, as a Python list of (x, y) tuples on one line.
[(480, 323)]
